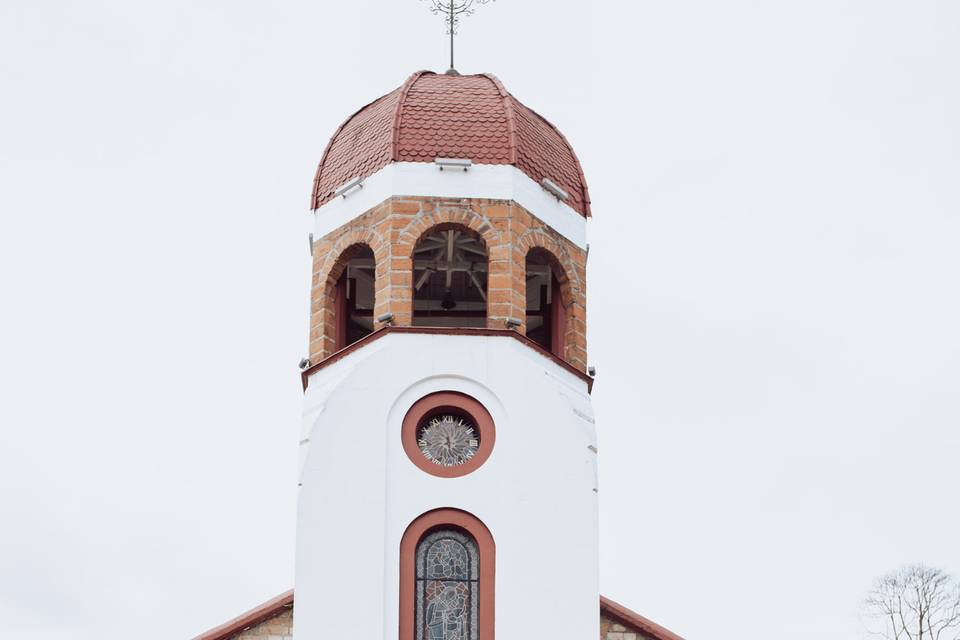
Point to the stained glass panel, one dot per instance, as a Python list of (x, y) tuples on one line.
[(447, 587)]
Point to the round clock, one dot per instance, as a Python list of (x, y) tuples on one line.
[(447, 434), (448, 439)]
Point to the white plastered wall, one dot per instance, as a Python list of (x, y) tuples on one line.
[(359, 491), (495, 181)]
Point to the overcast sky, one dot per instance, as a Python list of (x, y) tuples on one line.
[(773, 293)]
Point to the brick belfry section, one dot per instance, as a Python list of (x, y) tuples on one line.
[(392, 229)]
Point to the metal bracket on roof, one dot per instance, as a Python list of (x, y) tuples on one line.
[(453, 163), (554, 188), (356, 183)]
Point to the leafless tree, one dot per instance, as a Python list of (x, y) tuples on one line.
[(914, 603)]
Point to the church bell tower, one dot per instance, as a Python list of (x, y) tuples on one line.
[(448, 486)]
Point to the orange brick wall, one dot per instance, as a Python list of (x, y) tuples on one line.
[(277, 628), (611, 629), (393, 228)]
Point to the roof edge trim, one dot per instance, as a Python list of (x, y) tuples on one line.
[(634, 619), (447, 331), (284, 601), (269, 609)]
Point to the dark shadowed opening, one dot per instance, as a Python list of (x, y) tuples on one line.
[(450, 279), (546, 316), (354, 297)]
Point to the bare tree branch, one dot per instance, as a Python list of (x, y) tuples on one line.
[(914, 603)]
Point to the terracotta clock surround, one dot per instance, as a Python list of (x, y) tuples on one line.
[(440, 402)]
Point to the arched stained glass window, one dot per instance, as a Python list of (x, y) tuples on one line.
[(447, 589)]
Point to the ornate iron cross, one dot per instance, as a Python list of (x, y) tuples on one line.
[(452, 10)]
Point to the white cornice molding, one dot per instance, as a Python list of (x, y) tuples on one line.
[(494, 181)]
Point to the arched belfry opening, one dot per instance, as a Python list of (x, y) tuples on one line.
[(353, 296), (546, 314), (450, 279)]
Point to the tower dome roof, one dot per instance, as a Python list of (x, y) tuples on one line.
[(450, 116)]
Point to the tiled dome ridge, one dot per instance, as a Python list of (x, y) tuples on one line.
[(449, 116)]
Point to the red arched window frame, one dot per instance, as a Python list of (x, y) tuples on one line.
[(558, 321), (425, 524), (341, 310)]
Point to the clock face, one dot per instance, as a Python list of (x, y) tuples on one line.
[(448, 440)]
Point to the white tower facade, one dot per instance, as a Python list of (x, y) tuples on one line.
[(448, 457)]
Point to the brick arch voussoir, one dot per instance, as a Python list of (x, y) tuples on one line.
[(334, 264), (568, 277), (467, 218)]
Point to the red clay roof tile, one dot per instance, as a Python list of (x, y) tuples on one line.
[(450, 116)]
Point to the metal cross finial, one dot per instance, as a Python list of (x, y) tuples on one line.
[(451, 10)]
